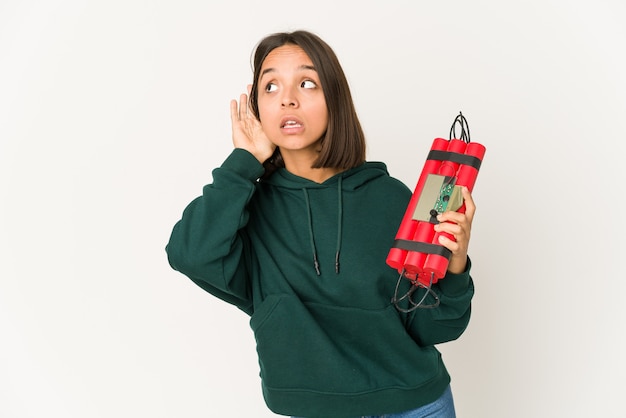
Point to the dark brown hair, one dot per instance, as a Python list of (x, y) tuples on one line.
[(343, 144)]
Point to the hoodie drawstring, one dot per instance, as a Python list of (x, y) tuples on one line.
[(339, 222), (316, 263)]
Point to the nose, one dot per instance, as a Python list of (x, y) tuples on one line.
[(288, 98)]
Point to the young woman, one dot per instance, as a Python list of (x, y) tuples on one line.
[(295, 229)]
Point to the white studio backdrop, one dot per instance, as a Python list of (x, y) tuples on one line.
[(113, 114)]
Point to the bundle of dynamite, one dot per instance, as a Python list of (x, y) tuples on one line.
[(451, 164)]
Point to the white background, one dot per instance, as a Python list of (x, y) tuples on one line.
[(113, 114)]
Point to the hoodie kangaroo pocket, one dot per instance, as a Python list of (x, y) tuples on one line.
[(337, 350)]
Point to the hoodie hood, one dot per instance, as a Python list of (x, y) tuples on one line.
[(350, 179), (346, 181)]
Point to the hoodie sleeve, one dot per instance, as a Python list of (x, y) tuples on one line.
[(208, 243), (449, 320)]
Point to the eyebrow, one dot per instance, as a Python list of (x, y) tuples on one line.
[(302, 67)]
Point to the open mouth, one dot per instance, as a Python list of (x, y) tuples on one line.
[(291, 124)]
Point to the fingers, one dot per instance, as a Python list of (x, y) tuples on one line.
[(239, 111), (234, 113), (452, 245), (458, 224), (249, 100), (458, 240), (470, 207), (465, 214), (239, 122), (458, 231), (243, 106)]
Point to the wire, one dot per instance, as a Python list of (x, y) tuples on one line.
[(416, 285), (465, 132)]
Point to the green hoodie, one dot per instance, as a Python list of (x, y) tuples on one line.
[(307, 262)]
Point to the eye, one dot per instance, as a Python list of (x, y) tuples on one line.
[(308, 84), (270, 87)]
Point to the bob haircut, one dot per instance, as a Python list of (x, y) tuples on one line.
[(343, 143)]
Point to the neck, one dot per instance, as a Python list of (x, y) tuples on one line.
[(318, 175), (301, 167)]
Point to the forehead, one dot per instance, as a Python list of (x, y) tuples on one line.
[(286, 56)]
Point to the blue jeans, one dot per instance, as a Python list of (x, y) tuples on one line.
[(441, 408)]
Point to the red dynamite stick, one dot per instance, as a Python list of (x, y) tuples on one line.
[(414, 263), (437, 265), (406, 231), (449, 168), (467, 174)]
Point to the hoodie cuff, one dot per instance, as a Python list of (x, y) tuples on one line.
[(244, 163), (456, 284)]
